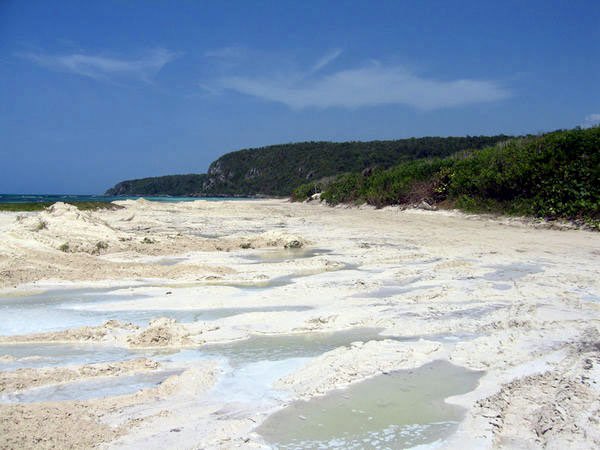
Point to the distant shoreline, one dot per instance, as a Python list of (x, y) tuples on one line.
[(74, 198)]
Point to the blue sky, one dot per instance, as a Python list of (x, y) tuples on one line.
[(96, 92)]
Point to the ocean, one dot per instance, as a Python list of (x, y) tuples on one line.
[(35, 198)]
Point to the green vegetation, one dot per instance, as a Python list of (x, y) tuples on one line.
[(556, 175), (176, 185), (39, 206), (277, 170)]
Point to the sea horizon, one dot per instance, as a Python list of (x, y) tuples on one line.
[(44, 198)]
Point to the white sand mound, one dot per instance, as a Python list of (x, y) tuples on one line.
[(64, 227), (110, 332), (345, 365), (29, 377), (161, 332), (276, 238)]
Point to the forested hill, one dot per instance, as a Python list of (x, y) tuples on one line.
[(278, 169), (177, 185)]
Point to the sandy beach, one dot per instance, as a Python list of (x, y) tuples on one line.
[(199, 324)]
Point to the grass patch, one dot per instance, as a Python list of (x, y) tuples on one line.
[(40, 206)]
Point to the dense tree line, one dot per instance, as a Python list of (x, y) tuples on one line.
[(277, 170), (176, 185), (556, 175)]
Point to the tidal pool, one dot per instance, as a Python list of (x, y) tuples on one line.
[(249, 364), (286, 346), (48, 355), (281, 255), (90, 389), (400, 410), (284, 280), (63, 309), (511, 272)]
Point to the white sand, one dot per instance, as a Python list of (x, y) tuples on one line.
[(511, 297)]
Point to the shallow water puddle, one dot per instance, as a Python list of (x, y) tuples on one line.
[(447, 338), (60, 310), (390, 288), (254, 364), (250, 368), (60, 296), (169, 261), (90, 389), (47, 355), (502, 286), (246, 389), (142, 316), (287, 346), (399, 410), (511, 272), (281, 255), (46, 311), (285, 280)]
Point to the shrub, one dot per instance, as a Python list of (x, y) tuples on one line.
[(305, 191), (407, 183), (556, 175)]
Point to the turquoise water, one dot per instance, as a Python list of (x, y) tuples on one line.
[(34, 198)]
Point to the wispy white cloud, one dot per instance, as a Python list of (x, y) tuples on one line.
[(325, 60), (105, 68), (591, 120), (365, 86)]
